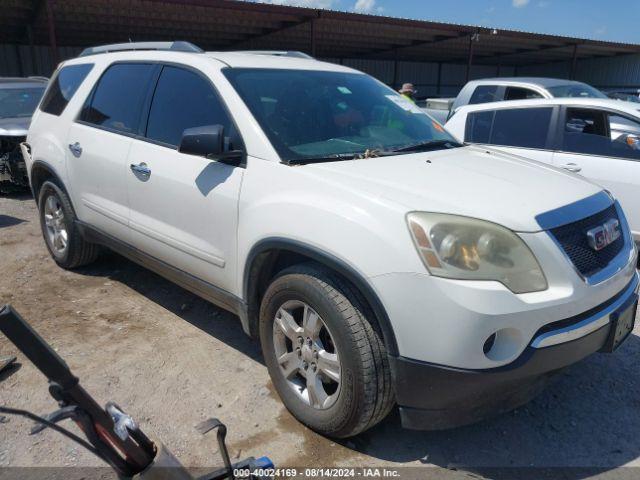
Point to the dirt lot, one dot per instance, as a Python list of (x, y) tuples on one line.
[(172, 360)]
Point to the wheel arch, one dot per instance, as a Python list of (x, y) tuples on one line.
[(41, 172), (271, 255)]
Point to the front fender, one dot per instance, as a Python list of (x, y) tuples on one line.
[(336, 264), (354, 233)]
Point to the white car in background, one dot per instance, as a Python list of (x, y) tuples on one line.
[(597, 138)]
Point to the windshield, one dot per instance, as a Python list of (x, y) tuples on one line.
[(314, 114), (19, 102), (575, 90)]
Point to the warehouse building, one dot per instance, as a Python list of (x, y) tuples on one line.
[(437, 57)]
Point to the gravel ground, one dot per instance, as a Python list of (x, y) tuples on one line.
[(172, 360)]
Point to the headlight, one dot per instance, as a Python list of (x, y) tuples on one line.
[(466, 248)]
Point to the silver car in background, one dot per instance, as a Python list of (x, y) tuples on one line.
[(489, 90), (19, 98)]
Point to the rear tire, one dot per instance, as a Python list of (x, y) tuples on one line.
[(61, 234), (363, 395)]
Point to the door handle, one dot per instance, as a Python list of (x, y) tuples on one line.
[(76, 149), (141, 169), (571, 167)]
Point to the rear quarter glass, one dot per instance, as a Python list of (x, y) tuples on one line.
[(63, 86)]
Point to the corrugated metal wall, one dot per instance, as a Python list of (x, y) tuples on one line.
[(621, 71), (424, 76), (22, 60), (555, 70)]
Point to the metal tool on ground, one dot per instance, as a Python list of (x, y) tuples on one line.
[(111, 434)]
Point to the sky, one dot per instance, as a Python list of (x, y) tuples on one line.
[(613, 20)]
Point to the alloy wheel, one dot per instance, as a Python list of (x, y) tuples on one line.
[(306, 354), (57, 235)]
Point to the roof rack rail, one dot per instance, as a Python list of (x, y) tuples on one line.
[(178, 46), (278, 53), (38, 77)]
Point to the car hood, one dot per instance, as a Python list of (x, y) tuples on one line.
[(14, 127), (470, 181)]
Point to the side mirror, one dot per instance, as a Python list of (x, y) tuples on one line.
[(207, 141)]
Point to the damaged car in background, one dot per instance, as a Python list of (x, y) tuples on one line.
[(19, 98)]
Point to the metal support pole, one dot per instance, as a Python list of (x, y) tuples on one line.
[(32, 51), (19, 60), (395, 69), (574, 61), (470, 57), (52, 33), (312, 39)]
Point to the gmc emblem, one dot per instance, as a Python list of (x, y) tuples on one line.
[(603, 235)]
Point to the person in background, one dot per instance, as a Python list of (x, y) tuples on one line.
[(408, 91)]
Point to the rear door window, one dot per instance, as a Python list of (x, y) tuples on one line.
[(116, 103), (521, 127), (184, 99), (63, 86), (514, 127)]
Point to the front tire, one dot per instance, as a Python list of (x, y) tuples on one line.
[(326, 359), (64, 241)]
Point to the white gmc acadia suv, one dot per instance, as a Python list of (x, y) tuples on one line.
[(378, 260)]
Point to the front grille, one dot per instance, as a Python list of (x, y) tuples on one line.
[(573, 240)]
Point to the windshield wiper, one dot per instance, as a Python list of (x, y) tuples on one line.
[(328, 158), (429, 145), (373, 153)]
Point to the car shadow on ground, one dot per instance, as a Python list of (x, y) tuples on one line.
[(18, 194), (9, 221), (207, 317), (584, 423)]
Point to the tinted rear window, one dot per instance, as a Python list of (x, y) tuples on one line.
[(521, 127), (478, 129), (484, 94), (117, 101), (517, 127), (518, 93), (63, 86)]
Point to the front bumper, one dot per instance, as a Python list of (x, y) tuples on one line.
[(435, 397), (447, 322)]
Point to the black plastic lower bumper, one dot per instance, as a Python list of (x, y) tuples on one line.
[(435, 397)]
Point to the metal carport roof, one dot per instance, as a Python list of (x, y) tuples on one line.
[(233, 25)]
